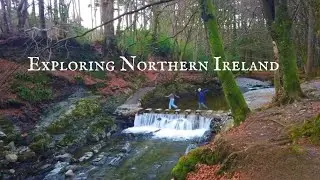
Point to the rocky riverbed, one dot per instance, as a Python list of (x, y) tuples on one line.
[(80, 138)]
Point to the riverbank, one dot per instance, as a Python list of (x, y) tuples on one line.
[(263, 147), (51, 120)]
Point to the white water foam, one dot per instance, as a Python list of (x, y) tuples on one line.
[(173, 126)]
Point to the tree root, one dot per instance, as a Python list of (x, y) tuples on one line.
[(277, 122), (227, 163)]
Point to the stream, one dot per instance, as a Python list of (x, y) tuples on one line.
[(151, 148)]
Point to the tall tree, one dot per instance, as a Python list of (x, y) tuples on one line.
[(6, 19), (55, 12), (79, 12), (311, 40), (107, 14), (234, 97), (42, 19), (22, 13), (280, 26)]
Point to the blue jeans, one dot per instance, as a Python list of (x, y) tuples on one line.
[(171, 104), (201, 104)]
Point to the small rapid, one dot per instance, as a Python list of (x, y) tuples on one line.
[(173, 126)]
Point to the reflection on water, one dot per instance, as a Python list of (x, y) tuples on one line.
[(148, 159)]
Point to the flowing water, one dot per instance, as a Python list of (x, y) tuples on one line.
[(152, 155), (173, 126), (151, 148)]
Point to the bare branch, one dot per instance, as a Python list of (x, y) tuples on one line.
[(116, 18)]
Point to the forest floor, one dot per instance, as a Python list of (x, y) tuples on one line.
[(261, 147)]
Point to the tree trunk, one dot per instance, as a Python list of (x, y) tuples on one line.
[(55, 12), (119, 20), (311, 42), (287, 52), (234, 97), (6, 22), (79, 12), (33, 14), (22, 13), (277, 74), (107, 13), (155, 23), (279, 24), (42, 19)]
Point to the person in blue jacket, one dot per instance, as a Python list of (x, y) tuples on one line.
[(202, 98)]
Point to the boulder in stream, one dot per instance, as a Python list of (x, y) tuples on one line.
[(69, 173), (56, 173), (116, 160), (206, 137), (64, 157), (100, 160), (2, 135), (86, 156), (11, 157), (126, 148)]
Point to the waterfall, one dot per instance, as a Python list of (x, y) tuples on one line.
[(170, 125)]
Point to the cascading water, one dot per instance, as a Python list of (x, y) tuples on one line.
[(170, 125)]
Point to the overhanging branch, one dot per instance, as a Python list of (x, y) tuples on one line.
[(107, 22)]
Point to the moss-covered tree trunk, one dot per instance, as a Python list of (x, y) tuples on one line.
[(279, 24), (287, 52), (234, 97), (277, 74)]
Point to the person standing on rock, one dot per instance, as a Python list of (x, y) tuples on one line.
[(202, 98), (171, 100)]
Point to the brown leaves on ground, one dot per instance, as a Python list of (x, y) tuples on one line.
[(206, 172), (264, 150)]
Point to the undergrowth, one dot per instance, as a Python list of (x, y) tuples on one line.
[(188, 162), (310, 129), (32, 87)]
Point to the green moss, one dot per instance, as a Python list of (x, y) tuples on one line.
[(282, 33), (67, 140), (310, 129), (101, 125), (40, 143), (234, 97), (32, 87), (6, 126), (60, 125), (84, 110), (98, 74), (36, 77), (188, 162)]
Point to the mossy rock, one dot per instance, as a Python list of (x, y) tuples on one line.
[(26, 156), (98, 129), (103, 124), (188, 162), (8, 128), (40, 143), (60, 126), (67, 140), (86, 108)]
